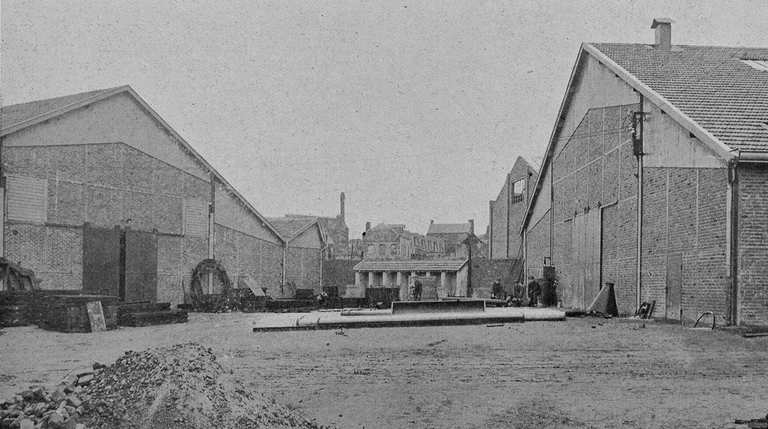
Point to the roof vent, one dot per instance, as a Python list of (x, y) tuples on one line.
[(663, 28)]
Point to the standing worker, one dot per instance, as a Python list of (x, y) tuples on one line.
[(416, 295), (496, 289), (534, 291)]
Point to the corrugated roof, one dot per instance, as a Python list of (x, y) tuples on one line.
[(290, 226), (20, 113), (412, 265), (449, 228), (710, 84)]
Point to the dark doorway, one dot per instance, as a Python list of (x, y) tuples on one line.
[(120, 263), (140, 266), (674, 285), (101, 260)]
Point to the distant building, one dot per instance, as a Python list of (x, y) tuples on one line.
[(507, 211), (460, 239), (336, 232), (394, 242), (305, 241)]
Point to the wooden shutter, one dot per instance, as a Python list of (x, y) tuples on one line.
[(27, 199), (196, 218)]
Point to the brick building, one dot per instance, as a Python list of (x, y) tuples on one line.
[(655, 179), (101, 194), (508, 210), (394, 242), (336, 233), (305, 243)]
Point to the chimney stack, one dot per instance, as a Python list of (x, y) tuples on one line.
[(343, 197), (663, 28), (471, 226), (367, 226)]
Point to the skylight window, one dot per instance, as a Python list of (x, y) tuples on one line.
[(761, 65)]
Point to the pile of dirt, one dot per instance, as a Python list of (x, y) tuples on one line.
[(181, 386)]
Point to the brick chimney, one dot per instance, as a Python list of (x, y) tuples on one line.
[(342, 198), (367, 226), (663, 28), (471, 226)]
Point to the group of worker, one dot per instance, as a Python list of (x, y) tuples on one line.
[(515, 294)]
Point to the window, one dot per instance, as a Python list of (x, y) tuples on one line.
[(518, 191), (27, 199), (383, 249), (371, 250), (393, 249), (196, 218)]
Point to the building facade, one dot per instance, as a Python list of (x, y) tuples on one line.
[(101, 195), (304, 248), (653, 180), (508, 210)]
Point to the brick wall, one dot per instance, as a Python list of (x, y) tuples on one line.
[(337, 229), (538, 241), (339, 273), (53, 253), (595, 170), (245, 255), (486, 271), (753, 244), (498, 222), (106, 185), (684, 211), (303, 268)]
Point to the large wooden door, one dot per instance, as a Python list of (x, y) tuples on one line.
[(585, 241), (101, 260), (140, 266), (592, 249), (674, 285)]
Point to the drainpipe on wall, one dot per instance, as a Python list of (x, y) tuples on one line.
[(282, 272), (211, 234), (510, 194), (733, 234), (322, 260), (638, 149)]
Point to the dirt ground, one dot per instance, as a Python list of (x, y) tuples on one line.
[(581, 373)]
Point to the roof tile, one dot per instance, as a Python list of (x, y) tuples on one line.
[(710, 84)]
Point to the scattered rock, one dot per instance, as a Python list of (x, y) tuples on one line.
[(148, 389)]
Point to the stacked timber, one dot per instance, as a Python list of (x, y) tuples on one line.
[(14, 307), (145, 313)]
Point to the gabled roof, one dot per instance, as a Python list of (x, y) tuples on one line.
[(292, 227), (450, 228), (20, 116), (709, 84), (20, 113), (709, 90), (411, 265)]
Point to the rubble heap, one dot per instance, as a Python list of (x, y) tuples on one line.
[(181, 386)]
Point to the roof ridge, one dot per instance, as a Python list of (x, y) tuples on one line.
[(91, 94)]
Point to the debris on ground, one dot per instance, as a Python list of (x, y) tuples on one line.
[(181, 386), (754, 423)]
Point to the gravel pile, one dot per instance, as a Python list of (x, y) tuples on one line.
[(180, 386)]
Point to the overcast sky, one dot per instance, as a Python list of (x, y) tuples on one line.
[(416, 110)]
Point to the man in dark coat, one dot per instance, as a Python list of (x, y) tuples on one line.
[(496, 289), (534, 291)]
